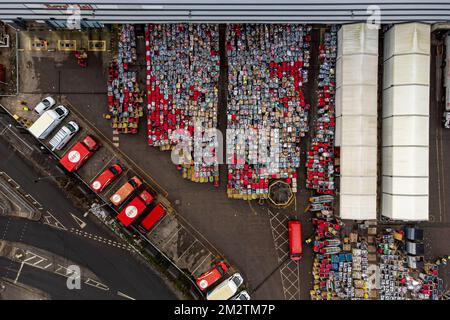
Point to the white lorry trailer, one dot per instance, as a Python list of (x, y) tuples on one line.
[(47, 122)]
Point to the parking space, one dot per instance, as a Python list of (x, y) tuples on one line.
[(289, 269), (178, 244), (181, 245)]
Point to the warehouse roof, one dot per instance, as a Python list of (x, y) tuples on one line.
[(356, 120), (405, 141), (312, 11)]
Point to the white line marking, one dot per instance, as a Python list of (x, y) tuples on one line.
[(124, 295), (56, 224), (207, 256), (80, 222), (96, 284), (103, 169), (18, 272)]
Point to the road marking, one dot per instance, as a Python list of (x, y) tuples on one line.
[(204, 259), (97, 238), (67, 272), (18, 272), (33, 200), (290, 271), (124, 295), (80, 222), (188, 248), (6, 228), (104, 168), (50, 220), (96, 284)]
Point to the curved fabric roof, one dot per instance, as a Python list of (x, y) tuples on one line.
[(356, 120), (405, 141)]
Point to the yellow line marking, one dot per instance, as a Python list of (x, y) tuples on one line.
[(74, 48), (93, 42)]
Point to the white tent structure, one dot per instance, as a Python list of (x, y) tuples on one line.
[(356, 120), (406, 122)]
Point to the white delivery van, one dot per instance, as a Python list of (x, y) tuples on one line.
[(48, 121), (226, 289), (63, 135)]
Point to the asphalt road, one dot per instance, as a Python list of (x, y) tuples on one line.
[(49, 282), (115, 267)]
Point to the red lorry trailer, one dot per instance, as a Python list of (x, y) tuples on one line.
[(134, 208), (78, 154), (295, 239)]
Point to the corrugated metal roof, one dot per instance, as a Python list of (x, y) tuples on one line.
[(312, 11)]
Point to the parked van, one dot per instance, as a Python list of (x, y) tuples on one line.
[(152, 218), (48, 121), (226, 289), (63, 136), (125, 191), (79, 153), (134, 208), (44, 105), (295, 239)]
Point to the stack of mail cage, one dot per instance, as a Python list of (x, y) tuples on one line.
[(124, 96), (320, 157), (267, 69), (183, 65)]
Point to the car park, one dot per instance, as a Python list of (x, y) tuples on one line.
[(64, 135), (212, 276), (243, 295), (226, 289), (78, 154), (105, 178), (295, 239), (125, 191), (135, 208), (44, 105)]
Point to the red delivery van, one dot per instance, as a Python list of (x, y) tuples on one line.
[(78, 154), (134, 208), (211, 276), (153, 217), (105, 178), (295, 239)]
